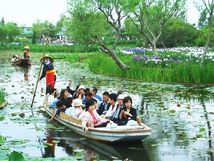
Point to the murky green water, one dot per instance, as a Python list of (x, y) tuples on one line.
[(182, 118)]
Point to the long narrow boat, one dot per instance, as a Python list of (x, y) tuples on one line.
[(22, 62), (119, 133)]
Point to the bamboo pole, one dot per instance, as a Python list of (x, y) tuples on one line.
[(34, 94)]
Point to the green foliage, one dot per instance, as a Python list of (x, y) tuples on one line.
[(2, 97), (178, 33), (16, 156), (53, 48), (45, 28), (8, 32), (187, 72), (202, 37)]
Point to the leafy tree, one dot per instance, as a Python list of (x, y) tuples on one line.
[(46, 29), (151, 17), (95, 22), (178, 33)]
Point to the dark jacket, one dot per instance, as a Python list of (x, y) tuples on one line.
[(133, 112), (103, 108)]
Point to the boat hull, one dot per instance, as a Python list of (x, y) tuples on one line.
[(22, 62), (119, 134)]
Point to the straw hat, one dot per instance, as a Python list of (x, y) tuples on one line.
[(47, 56), (27, 48)]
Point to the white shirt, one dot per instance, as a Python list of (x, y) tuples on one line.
[(70, 111), (110, 111)]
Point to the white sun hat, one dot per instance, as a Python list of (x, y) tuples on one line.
[(81, 87), (77, 102), (121, 97)]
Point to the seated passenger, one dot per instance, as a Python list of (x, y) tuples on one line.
[(91, 118), (104, 106), (60, 108), (71, 91), (112, 108), (64, 95), (88, 96), (76, 109), (79, 93), (119, 107), (128, 113), (95, 95)]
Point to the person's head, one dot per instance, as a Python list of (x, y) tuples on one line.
[(128, 102), (87, 90), (95, 102), (113, 98), (60, 105), (94, 91), (88, 95), (90, 105), (81, 89), (47, 60), (69, 102), (120, 100), (106, 96), (26, 49), (64, 94)]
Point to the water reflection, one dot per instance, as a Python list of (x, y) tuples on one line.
[(92, 150)]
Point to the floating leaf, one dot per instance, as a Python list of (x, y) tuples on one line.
[(2, 118), (16, 156)]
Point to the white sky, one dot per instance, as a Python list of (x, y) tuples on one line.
[(26, 12)]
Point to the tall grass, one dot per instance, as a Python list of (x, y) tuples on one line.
[(2, 97), (186, 72)]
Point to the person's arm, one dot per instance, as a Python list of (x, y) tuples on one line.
[(134, 114), (54, 115)]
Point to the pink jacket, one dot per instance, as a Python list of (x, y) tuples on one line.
[(88, 118)]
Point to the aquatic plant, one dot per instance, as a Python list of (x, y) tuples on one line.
[(2, 97)]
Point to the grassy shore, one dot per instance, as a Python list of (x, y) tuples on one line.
[(169, 67)]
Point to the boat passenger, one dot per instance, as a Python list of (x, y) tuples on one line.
[(104, 106), (79, 93), (91, 118), (48, 71), (60, 108), (116, 114), (26, 54), (88, 96), (112, 108), (15, 58), (94, 94), (76, 109), (64, 95), (128, 113)]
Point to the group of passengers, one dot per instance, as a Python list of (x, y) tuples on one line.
[(94, 111)]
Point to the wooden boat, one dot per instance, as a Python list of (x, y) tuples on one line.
[(22, 62), (120, 133)]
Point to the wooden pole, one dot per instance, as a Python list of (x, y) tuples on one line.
[(34, 94)]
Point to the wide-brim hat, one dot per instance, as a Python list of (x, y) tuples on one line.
[(47, 56), (27, 48)]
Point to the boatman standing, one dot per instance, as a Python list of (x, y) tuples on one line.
[(26, 54), (48, 72)]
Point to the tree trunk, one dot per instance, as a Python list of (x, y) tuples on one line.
[(206, 48), (154, 47), (112, 54)]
